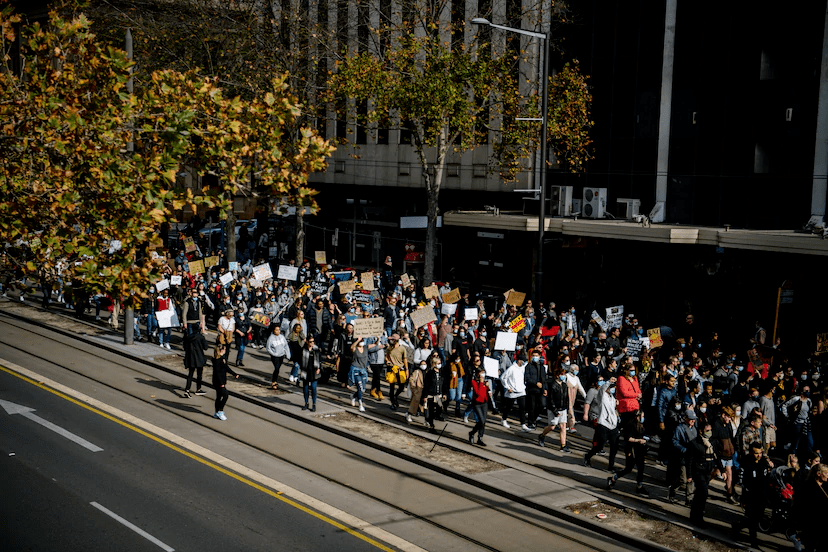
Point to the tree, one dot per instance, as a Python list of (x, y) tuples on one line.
[(72, 191), (449, 95)]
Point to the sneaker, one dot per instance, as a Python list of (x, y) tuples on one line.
[(731, 499), (217, 415), (200, 392), (465, 419), (161, 345), (408, 418), (672, 499), (505, 424), (361, 407), (642, 492), (471, 438), (572, 430), (541, 440), (565, 449), (167, 346), (222, 417), (610, 482), (393, 407), (292, 379), (185, 395), (525, 427), (481, 443), (532, 426), (97, 318), (353, 401), (586, 461)]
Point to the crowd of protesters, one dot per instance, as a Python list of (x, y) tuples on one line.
[(704, 409)]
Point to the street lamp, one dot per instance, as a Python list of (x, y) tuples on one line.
[(538, 291)]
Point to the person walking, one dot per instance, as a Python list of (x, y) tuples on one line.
[(755, 477), (514, 385), (535, 382), (396, 357), (702, 461), (220, 371), (606, 428), (557, 400), (358, 375), (416, 385), (277, 348), (433, 393), (165, 303), (194, 360), (628, 393), (635, 452), (310, 369), (226, 329), (677, 467), (192, 315), (574, 387), (241, 331), (480, 405)]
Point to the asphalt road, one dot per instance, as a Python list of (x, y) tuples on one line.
[(49, 484)]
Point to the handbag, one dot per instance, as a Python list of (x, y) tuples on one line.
[(396, 375)]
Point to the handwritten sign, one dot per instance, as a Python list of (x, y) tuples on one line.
[(367, 279), (368, 327), (517, 324), (175, 280), (515, 298), (260, 319), (634, 347), (448, 308), (451, 296), (597, 317), (233, 265), (421, 317), (162, 284), (253, 283), (197, 267), (492, 367), (431, 292), (262, 272), (287, 272), (655, 338), (319, 257), (615, 316), (211, 261), (406, 280), (505, 341), (189, 245), (226, 278), (470, 314), (347, 286)]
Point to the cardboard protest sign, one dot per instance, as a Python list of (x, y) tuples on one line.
[(162, 284), (189, 245), (451, 296), (262, 272), (367, 279), (197, 267), (319, 257), (505, 341), (368, 327), (167, 319), (421, 317), (431, 292), (492, 367), (406, 280), (226, 278), (175, 280), (233, 265), (634, 347), (347, 286), (822, 343), (448, 308), (597, 317), (211, 261), (470, 314), (615, 316), (655, 338), (517, 324), (171, 263), (287, 272), (253, 283), (260, 319), (515, 298)]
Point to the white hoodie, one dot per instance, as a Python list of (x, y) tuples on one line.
[(512, 379)]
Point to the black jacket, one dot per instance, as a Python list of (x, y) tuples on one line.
[(533, 374), (557, 398), (310, 361), (310, 316), (701, 463), (194, 346), (220, 370), (432, 383)]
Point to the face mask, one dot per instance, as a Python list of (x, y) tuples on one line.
[(535, 359), (703, 410), (738, 413), (632, 373), (642, 419), (708, 434), (755, 397), (575, 372), (567, 363), (612, 391), (682, 345), (673, 373), (806, 394), (482, 334), (563, 377), (462, 334), (677, 407), (572, 311), (740, 368), (438, 365), (804, 377), (601, 383), (422, 366)]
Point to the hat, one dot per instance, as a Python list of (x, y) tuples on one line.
[(228, 310), (690, 415), (395, 336)]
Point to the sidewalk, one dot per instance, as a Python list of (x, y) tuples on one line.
[(544, 478)]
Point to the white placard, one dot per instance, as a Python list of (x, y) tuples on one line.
[(162, 284), (615, 316), (470, 314), (253, 283), (448, 308), (492, 367), (287, 272), (167, 319), (226, 278), (506, 341), (262, 272), (175, 280), (597, 317)]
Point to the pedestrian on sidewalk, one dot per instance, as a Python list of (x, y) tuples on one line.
[(396, 357), (194, 360), (535, 380), (514, 386), (454, 375), (310, 369), (757, 468), (702, 460), (416, 385), (226, 329), (358, 375), (434, 393), (165, 303), (629, 393), (220, 371), (635, 452), (241, 335), (277, 348), (606, 428), (480, 404), (677, 466), (556, 401), (574, 387)]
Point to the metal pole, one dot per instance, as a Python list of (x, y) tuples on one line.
[(542, 167), (776, 317), (129, 314)]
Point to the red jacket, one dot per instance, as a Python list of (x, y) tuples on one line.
[(627, 394), (481, 392)]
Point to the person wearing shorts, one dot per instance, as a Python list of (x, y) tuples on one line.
[(557, 403)]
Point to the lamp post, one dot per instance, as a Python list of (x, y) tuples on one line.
[(538, 291)]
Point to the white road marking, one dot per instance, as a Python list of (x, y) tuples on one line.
[(26, 412), (138, 530), (322, 507)]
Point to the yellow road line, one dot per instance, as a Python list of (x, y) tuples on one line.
[(275, 494)]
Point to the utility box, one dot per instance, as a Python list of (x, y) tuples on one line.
[(560, 199), (627, 208), (595, 203)]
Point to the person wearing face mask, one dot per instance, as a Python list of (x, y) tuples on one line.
[(480, 404), (514, 385), (725, 448), (416, 385), (678, 469), (701, 459), (635, 452), (462, 345), (751, 403), (606, 427), (592, 402), (535, 381), (666, 396), (629, 394), (433, 393), (573, 388), (556, 403), (757, 468), (240, 334), (798, 411)]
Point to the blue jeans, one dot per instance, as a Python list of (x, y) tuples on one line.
[(310, 388), (295, 372), (162, 333), (454, 395), (359, 378), (241, 343), (152, 324)]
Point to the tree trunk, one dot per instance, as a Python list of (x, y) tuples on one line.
[(230, 232), (433, 184), (300, 234)]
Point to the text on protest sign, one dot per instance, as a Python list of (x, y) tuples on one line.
[(615, 316), (448, 308), (368, 327), (196, 267), (517, 324), (319, 257), (189, 245), (211, 261), (634, 347), (262, 272), (226, 278), (597, 317), (287, 272), (260, 319), (655, 338), (367, 279), (515, 298), (167, 319), (431, 291), (175, 280), (347, 286), (421, 317), (451, 296), (505, 341), (406, 280), (162, 284), (233, 265), (470, 313), (253, 283)]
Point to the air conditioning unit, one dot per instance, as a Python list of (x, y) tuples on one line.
[(560, 198), (595, 203), (627, 208)]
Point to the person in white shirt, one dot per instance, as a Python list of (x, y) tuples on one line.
[(277, 347), (423, 352), (514, 391), (226, 329)]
